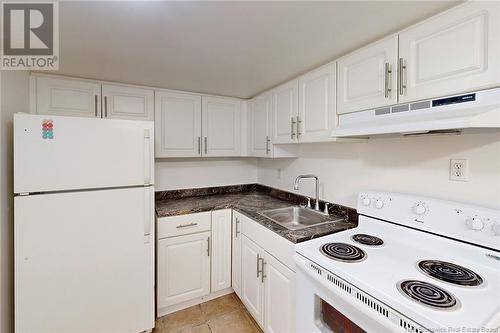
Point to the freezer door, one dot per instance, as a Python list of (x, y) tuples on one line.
[(53, 153), (84, 261)]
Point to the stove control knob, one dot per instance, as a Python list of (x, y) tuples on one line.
[(366, 201), (474, 223), (495, 227), (420, 208), (379, 204)]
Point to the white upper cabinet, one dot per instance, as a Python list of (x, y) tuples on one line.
[(177, 124), (317, 115), (65, 97), (221, 123), (456, 51), (221, 249), (260, 115), (126, 102), (367, 77), (285, 105)]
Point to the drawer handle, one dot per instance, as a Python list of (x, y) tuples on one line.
[(186, 225)]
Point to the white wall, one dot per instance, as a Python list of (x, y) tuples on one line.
[(188, 173), (406, 164), (14, 98)]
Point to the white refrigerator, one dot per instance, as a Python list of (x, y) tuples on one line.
[(84, 224)]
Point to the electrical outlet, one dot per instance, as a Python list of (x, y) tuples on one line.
[(459, 170)]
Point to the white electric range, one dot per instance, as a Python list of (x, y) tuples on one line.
[(413, 264)]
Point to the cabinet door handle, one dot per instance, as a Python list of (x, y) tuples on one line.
[(402, 76), (387, 80), (292, 123), (237, 231), (298, 127), (262, 276), (95, 104), (199, 145), (267, 145), (180, 226), (208, 246), (258, 271), (206, 146), (105, 106)]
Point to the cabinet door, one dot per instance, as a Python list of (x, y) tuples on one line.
[(453, 52), (252, 288), (183, 269), (177, 125), (221, 249), (279, 297), (285, 104), (236, 254), (317, 104), (124, 102), (66, 97), (367, 77), (260, 118), (221, 123)]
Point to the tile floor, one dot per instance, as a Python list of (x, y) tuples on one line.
[(225, 314)]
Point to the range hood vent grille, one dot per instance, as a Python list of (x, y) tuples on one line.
[(447, 115)]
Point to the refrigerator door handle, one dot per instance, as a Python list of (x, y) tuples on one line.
[(147, 157), (147, 214)]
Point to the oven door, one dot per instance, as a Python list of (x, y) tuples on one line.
[(325, 307)]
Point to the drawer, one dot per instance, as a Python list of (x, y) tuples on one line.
[(172, 226)]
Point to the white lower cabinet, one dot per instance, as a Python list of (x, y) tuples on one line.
[(221, 249), (267, 285), (252, 286), (183, 268), (279, 296), (236, 255), (193, 259), (205, 255)]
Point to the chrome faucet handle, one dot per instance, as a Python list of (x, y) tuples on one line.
[(325, 209), (309, 203)]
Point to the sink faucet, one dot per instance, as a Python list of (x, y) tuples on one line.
[(296, 187)]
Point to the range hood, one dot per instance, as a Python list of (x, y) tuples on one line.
[(476, 110)]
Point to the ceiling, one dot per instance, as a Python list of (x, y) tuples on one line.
[(225, 48)]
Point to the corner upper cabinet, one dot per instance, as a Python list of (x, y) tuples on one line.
[(453, 52), (316, 117), (221, 126), (285, 104), (177, 125), (127, 102), (260, 124), (367, 78), (65, 97)]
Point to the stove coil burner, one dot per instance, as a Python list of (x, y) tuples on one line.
[(343, 252), (367, 240), (451, 273), (428, 294)]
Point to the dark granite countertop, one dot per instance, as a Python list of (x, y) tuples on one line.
[(250, 200)]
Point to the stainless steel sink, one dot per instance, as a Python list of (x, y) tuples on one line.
[(296, 217)]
